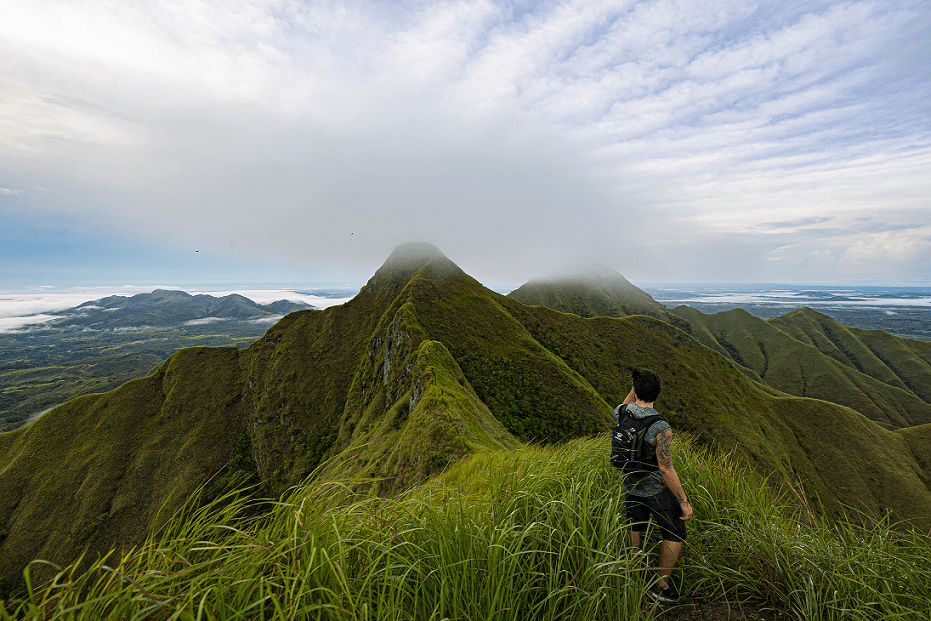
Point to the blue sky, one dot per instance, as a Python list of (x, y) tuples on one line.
[(280, 143)]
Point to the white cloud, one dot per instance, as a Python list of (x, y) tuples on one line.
[(512, 135), (204, 321), (15, 324), (266, 320), (896, 247)]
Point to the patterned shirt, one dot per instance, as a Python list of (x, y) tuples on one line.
[(653, 483)]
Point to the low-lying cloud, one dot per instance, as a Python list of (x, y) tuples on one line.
[(203, 321)]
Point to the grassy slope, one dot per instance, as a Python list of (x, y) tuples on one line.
[(798, 368), (841, 456), (528, 388), (918, 441), (97, 469), (535, 532), (424, 366), (899, 362)]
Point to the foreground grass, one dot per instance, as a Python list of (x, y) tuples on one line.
[(534, 533)]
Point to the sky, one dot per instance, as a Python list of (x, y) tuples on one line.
[(276, 143)]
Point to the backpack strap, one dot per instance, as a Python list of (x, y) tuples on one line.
[(649, 421), (639, 447)]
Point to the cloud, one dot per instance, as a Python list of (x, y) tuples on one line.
[(42, 300), (17, 324), (204, 321), (796, 224), (889, 246), (514, 136), (266, 320)]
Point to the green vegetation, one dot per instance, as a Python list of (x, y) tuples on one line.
[(101, 345), (98, 469), (423, 368), (598, 292), (807, 354), (802, 353), (534, 532)]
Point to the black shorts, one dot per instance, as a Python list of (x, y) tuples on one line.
[(663, 508)]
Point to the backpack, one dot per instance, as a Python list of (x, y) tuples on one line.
[(627, 450)]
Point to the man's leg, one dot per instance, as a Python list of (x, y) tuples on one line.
[(638, 514), (669, 552), (666, 512)]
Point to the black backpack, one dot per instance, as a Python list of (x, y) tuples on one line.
[(627, 450)]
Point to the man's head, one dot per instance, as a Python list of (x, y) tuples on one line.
[(646, 385)]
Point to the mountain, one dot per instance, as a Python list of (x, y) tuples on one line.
[(423, 367), (899, 362), (102, 344), (168, 307), (598, 291), (806, 354), (803, 353)]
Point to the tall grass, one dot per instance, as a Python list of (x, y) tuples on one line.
[(749, 543), (533, 533)]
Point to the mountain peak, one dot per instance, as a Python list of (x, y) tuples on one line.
[(591, 291), (593, 273), (408, 259)]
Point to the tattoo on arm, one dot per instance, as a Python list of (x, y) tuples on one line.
[(663, 450)]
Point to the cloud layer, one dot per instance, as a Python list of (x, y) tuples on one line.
[(729, 140)]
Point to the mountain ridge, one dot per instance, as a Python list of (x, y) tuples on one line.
[(595, 291), (163, 306), (422, 367), (788, 354)]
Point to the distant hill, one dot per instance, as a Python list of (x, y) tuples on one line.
[(99, 345), (168, 308), (806, 354), (899, 362), (598, 291), (803, 353), (423, 367)]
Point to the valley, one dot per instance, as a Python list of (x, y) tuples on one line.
[(100, 345)]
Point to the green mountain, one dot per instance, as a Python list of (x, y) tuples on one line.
[(803, 353), (168, 307), (902, 363), (422, 367), (806, 354), (102, 344), (598, 291)]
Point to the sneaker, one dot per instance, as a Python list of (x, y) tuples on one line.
[(664, 596)]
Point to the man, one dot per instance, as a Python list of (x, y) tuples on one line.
[(657, 494)]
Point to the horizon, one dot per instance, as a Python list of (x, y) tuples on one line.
[(300, 142), (24, 309)]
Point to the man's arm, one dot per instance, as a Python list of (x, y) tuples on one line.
[(664, 458), (630, 398)]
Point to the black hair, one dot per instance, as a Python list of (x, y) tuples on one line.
[(646, 385)]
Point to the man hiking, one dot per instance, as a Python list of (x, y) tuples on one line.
[(654, 491)]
